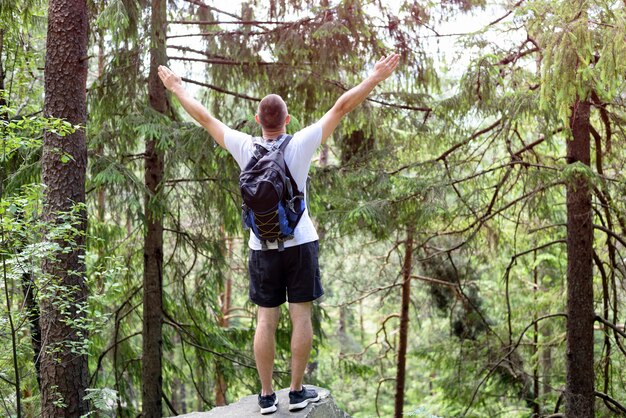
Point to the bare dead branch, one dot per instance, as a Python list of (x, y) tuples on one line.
[(506, 356), (607, 398), (610, 325)]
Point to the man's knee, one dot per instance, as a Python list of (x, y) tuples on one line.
[(300, 313), (267, 318)]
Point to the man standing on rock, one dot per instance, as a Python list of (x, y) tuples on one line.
[(291, 274)]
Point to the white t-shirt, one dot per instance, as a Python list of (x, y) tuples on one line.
[(298, 156)]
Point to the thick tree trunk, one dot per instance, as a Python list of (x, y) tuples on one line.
[(64, 373), (579, 393), (404, 323), (151, 378)]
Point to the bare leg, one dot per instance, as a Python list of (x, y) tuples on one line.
[(264, 346), (301, 340)]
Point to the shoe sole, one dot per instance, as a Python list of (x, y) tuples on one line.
[(270, 409), (303, 404)]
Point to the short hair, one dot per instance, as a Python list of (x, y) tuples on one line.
[(272, 112)]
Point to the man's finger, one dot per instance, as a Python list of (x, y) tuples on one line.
[(389, 59)]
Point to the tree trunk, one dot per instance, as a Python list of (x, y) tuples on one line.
[(220, 381), (546, 361), (579, 393), (64, 373), (151, 378), (341, 331), (535, 393), (404, 323), (2, 101), (101, 199), (32, 313)]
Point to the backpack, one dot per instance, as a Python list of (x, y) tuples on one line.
[(272, 205)]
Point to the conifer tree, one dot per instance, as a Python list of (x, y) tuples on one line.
[(151, 377), (63, 358)]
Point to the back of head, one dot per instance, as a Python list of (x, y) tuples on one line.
[(272, 112)]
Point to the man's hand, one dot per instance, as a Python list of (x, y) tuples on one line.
[(170, 79), (384, 67), (355, 96)]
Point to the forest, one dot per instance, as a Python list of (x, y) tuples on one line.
[(471, 212)]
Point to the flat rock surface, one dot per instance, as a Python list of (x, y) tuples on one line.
[(248, 408)]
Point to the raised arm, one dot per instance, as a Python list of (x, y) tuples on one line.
[(195, 109), (353, 97)]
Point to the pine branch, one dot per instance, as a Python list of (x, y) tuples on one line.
[(213, 8), (201, 180), (516, 5), (221, 90), (169, 404), (228, 22), (216, 57), (221, 61), (534, 143), (612, 233), (610, 325), (106, 350), (612, 401), (468, 140), (514, 57)]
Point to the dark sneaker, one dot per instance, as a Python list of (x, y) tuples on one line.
[(268, 403), (299, 400)]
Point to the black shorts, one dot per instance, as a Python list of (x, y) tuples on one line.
[(293, 272)]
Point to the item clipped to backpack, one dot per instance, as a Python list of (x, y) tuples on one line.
[(272, 205)]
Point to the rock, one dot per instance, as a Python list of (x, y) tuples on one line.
[(248, 408)]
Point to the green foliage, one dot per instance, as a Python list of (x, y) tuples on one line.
[(480, 178), (102, 401), (582, 41)]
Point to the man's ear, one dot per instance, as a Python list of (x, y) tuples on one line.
[(287, 119), (256, 118)]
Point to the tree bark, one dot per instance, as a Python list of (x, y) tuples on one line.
[(579, 393), (221, 386), (101, 199), (151, 377), (2, 101), (404, 323), (32, 313), (220, 381), (64, 374), (535, 393)]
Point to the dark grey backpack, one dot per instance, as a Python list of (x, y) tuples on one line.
[(272, 205)]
